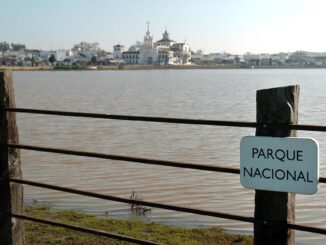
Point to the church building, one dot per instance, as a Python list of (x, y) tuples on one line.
[(162, 52)]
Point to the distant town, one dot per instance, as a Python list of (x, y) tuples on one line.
[(163, 53)]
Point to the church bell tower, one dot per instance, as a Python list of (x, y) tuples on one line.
[(148, 39)]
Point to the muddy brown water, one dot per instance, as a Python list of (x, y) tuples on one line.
[(198, 94)]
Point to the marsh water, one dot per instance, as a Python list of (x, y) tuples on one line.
[(198, 94)]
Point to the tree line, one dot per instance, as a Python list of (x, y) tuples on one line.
[(4, 46)]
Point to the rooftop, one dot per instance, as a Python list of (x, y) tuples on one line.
[(130, 52), (164, 40)]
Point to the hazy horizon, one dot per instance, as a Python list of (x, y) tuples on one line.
[(235, 26)]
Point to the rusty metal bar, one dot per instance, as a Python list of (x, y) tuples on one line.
[(84, 229), (304, 127), (322, 180), (135, 159), (133, 118), (128, 159), (300, 227), (129, 201)]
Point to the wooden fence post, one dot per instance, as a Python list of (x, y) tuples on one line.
[(276, 105), (11, 194)]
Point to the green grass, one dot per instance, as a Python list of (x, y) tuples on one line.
[(44, 234)]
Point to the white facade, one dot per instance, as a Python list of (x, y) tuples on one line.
[(117, 51), (162, 52), (248, 57), (147, 53), (130, 57), (61, 55), (165, 41)]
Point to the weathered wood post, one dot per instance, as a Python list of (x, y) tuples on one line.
[(11, 194), (276, 105)]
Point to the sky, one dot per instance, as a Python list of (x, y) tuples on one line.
[(234, 26)]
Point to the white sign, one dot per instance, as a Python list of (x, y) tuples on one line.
[(279, 164)]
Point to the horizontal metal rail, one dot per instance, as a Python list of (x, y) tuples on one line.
[(135, 159), (304, 127), (171, 207), (84, 229), (300, 227), (127, 158), (133, 118)]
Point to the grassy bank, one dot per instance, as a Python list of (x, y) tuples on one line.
[(26, 68), (43, 234)]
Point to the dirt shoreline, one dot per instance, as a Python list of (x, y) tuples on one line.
[(150, 67)]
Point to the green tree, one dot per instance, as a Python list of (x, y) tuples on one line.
[(101, 53), (94, 60), (33, 60), (4, 46), (17, 46), (52, 59)]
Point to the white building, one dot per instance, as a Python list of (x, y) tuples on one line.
[(162, 52), (117, 51), (165, 41), (148, 54), (61, 55)]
